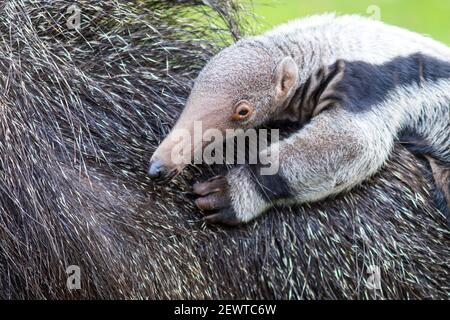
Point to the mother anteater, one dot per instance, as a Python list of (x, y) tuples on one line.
[(83, 107)]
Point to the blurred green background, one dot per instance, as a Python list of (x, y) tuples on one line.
[(429, 17)]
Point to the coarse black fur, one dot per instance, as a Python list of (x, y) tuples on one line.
[(317, 93), (82, 111), (364, 85), (424, 151), (270, 186)]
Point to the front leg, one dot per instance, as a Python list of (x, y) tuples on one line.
[(331, 154), (234, 199), (214, 195)]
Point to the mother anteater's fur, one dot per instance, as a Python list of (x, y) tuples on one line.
[(81, 112)]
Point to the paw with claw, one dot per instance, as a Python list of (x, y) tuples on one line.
[(214, 196)]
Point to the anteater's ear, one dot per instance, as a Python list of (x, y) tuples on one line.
[(286, 77)]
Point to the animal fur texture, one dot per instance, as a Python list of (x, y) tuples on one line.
[(82, 111), (358, 85)]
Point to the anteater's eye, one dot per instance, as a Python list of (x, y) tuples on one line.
[(242, 110)]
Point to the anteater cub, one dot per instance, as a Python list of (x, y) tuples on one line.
[(357, 84)]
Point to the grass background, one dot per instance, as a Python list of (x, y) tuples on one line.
[(431, 17)]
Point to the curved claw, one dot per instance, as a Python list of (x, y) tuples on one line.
[(225, 217), (214, 195), (213, 201), (216, 184)]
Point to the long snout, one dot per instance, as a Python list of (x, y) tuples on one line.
[(157, 170), (171, 156), (185, 140), (160, 172)]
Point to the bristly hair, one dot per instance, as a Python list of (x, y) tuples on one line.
[(81, 112)]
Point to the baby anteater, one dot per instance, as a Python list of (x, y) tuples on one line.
[(357, 85)]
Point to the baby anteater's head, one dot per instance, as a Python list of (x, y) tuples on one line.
[(240, 88)]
